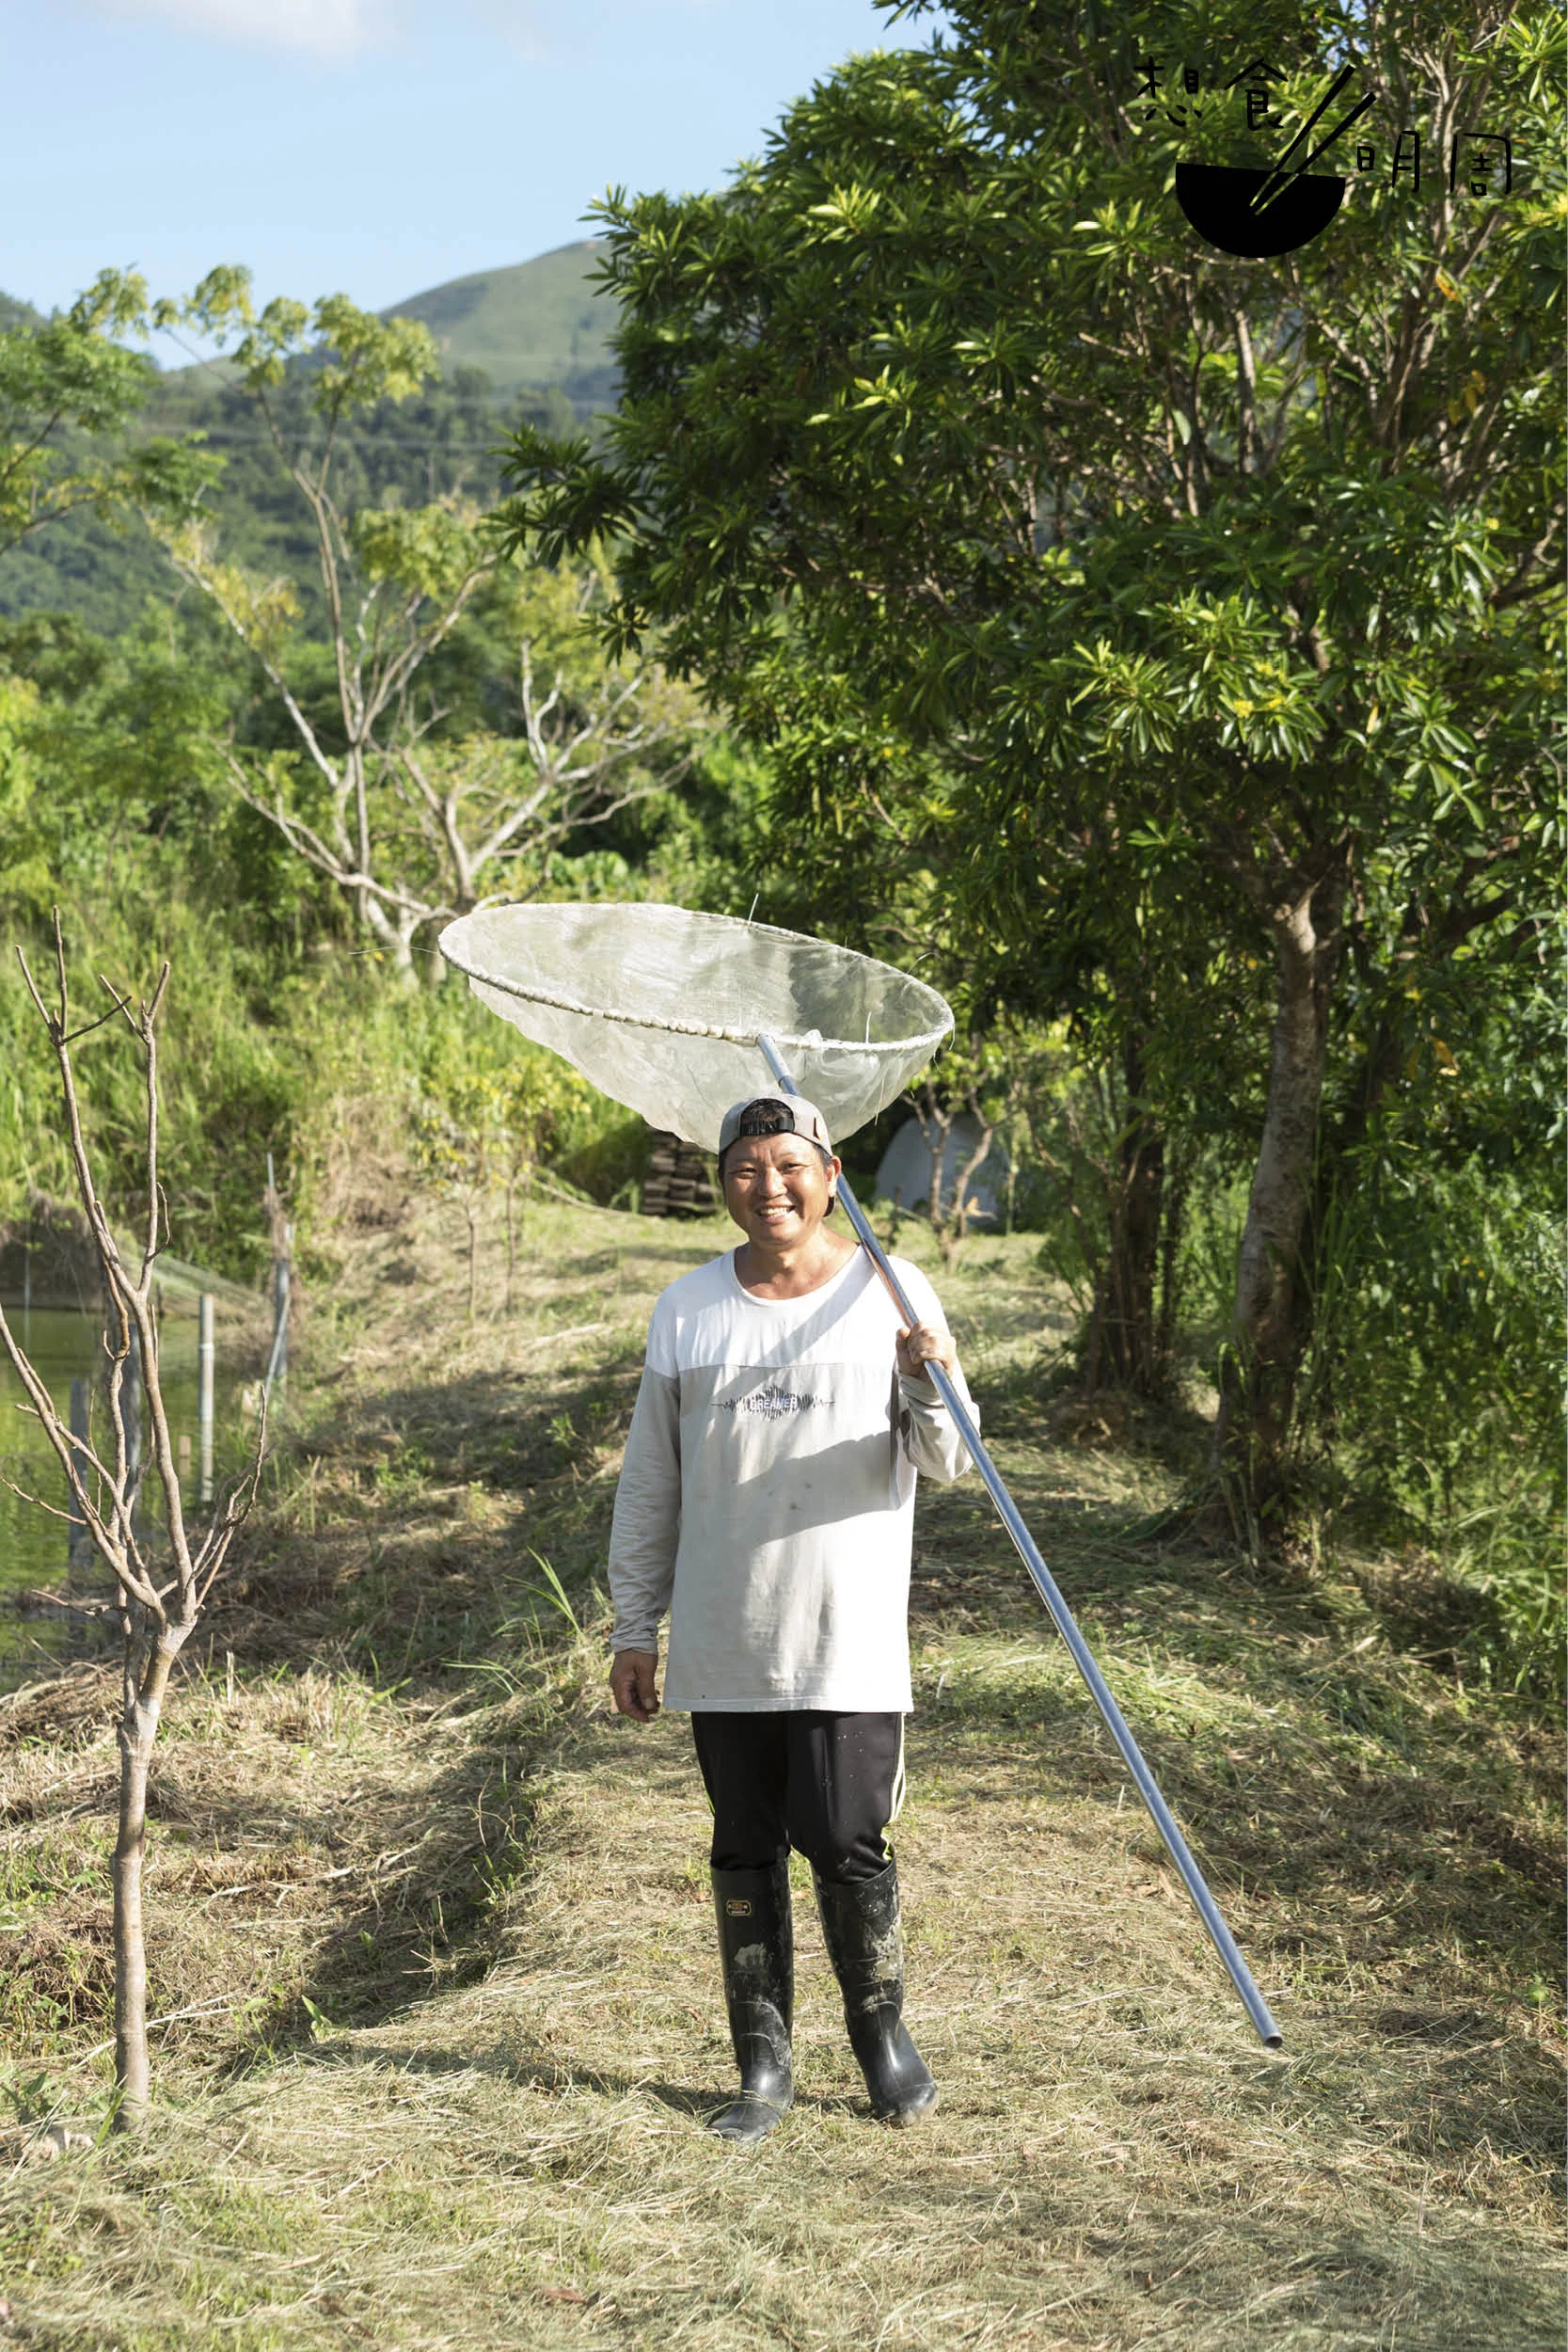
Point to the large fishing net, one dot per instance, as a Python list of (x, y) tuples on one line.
[(663, 1010)]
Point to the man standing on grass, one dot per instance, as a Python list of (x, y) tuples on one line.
[(766, 1502)]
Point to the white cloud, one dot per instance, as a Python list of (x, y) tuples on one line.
[(318, 28), (346, 28)]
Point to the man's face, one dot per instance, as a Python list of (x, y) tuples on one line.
[(776, 1187)]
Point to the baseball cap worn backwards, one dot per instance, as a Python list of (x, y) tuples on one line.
[(773, 1114)]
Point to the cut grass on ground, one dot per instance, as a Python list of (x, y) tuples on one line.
[(433, 1935)]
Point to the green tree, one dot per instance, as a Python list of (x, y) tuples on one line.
[(1220, 590), (67, 384), (395, 584), (412, 823), (441, 441)]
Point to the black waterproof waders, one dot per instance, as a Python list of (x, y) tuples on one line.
[(860, 1923), (756, 1945)]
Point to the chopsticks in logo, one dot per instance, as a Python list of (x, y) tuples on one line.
[(1279, 177)]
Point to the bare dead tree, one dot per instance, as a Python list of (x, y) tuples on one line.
[(161, 1579), (417, 829), (490, 814), (381, 634), (395, 582)]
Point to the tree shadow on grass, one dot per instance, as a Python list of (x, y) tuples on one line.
[(1296, 1776)]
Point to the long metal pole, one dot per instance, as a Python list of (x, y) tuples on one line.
[(1078, 1649)]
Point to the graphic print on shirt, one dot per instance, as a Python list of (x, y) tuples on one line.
[(774, 1404)]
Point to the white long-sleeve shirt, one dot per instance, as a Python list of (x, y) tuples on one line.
[(767, 1499)]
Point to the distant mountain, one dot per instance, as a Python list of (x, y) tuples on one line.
[(537, 322), (538, 331), (530, 325)]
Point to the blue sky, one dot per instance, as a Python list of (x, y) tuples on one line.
[(376, 147)]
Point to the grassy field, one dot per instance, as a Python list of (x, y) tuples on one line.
[(432, 1938)]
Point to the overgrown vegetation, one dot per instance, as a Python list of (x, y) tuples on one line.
[(440, 443), (1165, 689), (446, 2011)]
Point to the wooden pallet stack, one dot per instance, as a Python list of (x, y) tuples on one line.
[(679, 1183)]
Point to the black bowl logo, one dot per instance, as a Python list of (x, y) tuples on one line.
[(1220, 201), (1257, 214)]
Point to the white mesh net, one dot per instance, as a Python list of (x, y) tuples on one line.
[(662, 1009)]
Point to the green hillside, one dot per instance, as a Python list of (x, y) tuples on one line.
[(536, 323), (529, 325), (529, 340)]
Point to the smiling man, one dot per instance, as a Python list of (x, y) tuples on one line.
[(766, 1502)]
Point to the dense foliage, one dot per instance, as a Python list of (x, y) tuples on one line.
[(443, 441), (282, 1033), (1175, 635)]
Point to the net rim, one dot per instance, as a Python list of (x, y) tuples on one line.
[(812, 1041)]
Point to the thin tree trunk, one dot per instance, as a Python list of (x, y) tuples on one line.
[(951, 1245), (1271, 1322), (138, 1732), (1124, 1349), (1174, 1211), (160, 1596), (937, 1125)]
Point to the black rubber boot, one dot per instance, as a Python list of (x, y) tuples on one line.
[(860, 1923), (756, 1944)]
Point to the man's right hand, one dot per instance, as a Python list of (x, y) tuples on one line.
[(631, 1683)]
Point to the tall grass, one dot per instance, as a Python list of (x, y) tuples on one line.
[(1435, 1374), (1428, 1408), (264, 1050)]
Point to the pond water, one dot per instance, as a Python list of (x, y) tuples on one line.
[(64, 1345)]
